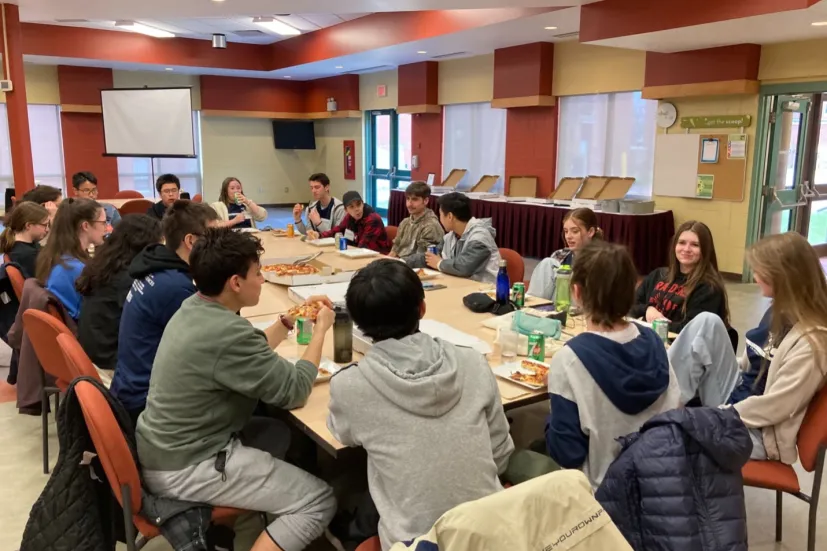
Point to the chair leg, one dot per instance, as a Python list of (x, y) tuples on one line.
[(44, 419), (128, 526), (57, 404), (811, 529), (779, 514)]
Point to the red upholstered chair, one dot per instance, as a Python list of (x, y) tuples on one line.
[(373, 544), (15, 277), (136, 206), (774, 475), (43, 329), (197, 198), (391, 231), (514, 264), (77, 361), (120, 467), (129, 194)]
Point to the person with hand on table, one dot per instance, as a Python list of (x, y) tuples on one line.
[(435, 434), (469, 248), (233, 207), (324, 212), (361, 226), (690, 285), (198, 440), (420, 230)]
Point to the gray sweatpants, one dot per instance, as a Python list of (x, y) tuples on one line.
[(257, 481)]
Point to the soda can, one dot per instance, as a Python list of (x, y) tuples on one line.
[(290, 231), (518, 294), (433, 249), (661, 327), (342, 243), (537, 346), (304, 330)]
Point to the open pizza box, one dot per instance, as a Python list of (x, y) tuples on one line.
[(325, 273), (450, 183), (482, 189), (521, 189), (610, 188), (563, 193)]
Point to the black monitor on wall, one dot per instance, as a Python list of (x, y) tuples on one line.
[(294, 135)]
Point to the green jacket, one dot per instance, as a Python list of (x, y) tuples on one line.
[(211, 369), (415, 236)]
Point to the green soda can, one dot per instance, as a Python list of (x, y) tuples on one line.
[(537, 346), (304, 330), (661, 327), (518, 294)]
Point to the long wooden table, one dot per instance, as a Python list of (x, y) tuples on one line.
[(444, 305)]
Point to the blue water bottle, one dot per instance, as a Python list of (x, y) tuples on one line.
[(503, 284)]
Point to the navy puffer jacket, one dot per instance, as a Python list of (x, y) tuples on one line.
[(677, 484)]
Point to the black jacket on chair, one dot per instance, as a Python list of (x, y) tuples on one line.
[(677, 484), (100, 320)]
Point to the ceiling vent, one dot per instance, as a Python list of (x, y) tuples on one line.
[(71, 20), (445, 56), (565, 36), (369, 69), (250, 33)]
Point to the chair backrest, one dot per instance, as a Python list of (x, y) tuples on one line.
[(391, 231), (514, 263), (129, 194), (15, 277), (813, 432), (76, 358), (43, 330), (197, 198), (136, 206)]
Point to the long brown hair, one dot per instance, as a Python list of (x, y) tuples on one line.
[(63, 239), (23, 214), (224, 196), (789, 265), (706, 270), (587, 219)]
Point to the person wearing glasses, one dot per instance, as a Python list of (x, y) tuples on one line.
[(169, 189), (78, 224), (25, 226), (86, 187)]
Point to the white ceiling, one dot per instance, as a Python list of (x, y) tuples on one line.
[(204, 27)]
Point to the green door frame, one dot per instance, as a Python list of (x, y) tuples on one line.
[(760, 162), (392, 174)]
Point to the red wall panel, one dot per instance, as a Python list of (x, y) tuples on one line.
[(531, 146), (419, 83), (344, 88), (252, 94), (525, 70), (738, 62), (426, 140), (82, 85), (83, 149)]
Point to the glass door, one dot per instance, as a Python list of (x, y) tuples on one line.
[(389, 156), (814, 222)]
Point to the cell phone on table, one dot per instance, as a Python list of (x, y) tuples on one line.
[(548, 307), (433, 286)]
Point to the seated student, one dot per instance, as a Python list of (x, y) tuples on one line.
[(436, 412), (197, 439), (169, 188), (47, 196), (104, 284), (469, 248), (233, 207), (78, 224), (783, 366), (361, 226), (690, 285), (162, 282), (579, 228), (324, 212), (420, 230), (86, 187), (606, 382), (25, 226)]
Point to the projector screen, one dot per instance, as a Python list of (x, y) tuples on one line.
[(148, 122)]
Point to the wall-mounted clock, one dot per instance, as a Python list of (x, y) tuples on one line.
[(667, 114)]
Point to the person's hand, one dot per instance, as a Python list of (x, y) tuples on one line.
[(51, 207), (312, 235), (545, 378), (432, 260), (319, 299), (236, 220), (297, 212), (242, 199), (653, 314), (315, 217), (324, 319), (393, 255)]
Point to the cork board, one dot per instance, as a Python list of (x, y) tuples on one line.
[(522, 186), (729, 173)]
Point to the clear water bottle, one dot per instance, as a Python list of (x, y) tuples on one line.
[(503, 284), (562, 289)]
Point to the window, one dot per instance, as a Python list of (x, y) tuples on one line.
[(139, 173), (47, 147), (474, 139), (608, 135)]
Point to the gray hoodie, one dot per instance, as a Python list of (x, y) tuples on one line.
[(475, 254), (337, 214), (430, 416)]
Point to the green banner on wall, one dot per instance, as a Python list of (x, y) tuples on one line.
[(717, 121)]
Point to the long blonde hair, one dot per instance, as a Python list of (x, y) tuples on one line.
[(789, 265)]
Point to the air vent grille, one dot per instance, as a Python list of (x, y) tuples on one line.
[(249, 33), (575, 34), (71, 20), (444, 56)]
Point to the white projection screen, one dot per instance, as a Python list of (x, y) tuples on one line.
[(148, 122)]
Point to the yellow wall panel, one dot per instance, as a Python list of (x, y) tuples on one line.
[(41, 84), (368, 99), (467, 80), (581, 69), (159, 79)]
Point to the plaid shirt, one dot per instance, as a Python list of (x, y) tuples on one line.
[(370, 232)]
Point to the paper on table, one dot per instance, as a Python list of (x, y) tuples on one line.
[(334, 291), (445, 332)]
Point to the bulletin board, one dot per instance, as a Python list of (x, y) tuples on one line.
[(678, 164)]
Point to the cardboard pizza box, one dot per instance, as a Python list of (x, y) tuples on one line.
[(482, 189), (616, 188), (563, 193), (587, 195), (453, 179), (522, 188), (326, 274)]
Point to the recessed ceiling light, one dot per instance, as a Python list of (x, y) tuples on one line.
[(143, 29), (274, 25), (820, 24), (339, 67), (551, 28), (422, 52), (288, 76), (170, 68)]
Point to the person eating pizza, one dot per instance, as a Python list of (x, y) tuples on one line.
[(361, 226)]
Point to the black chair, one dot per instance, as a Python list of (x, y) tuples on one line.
[(733, 338)]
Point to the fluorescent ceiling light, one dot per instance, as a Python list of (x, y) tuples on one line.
[(820, 24), (339, 67), (143, 29), (274, 25), (168, 69), (551, 28), (422, 52)]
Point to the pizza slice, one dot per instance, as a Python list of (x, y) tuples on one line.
[(534, 367), (534, 379), (309, 311)]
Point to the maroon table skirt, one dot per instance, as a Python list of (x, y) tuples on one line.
[(537, 231)]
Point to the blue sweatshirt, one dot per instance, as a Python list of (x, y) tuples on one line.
[(61, 283), (162, 283), (759, 336)]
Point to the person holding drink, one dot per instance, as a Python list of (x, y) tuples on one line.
[(324, 212), (234, 209)]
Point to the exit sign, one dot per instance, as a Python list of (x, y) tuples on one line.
[(382, 91)]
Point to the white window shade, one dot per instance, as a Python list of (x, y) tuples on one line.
[(148, 122), (474, 139), (47, 147), (608, 135)]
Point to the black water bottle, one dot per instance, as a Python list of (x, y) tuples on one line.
[(342, 337)]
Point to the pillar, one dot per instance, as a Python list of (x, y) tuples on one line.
[(419, 96)]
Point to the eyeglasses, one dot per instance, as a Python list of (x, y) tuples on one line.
[(88, 191), (99, 222), (47, 225)]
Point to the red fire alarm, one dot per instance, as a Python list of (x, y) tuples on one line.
[(350, 159), (381, 91)]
